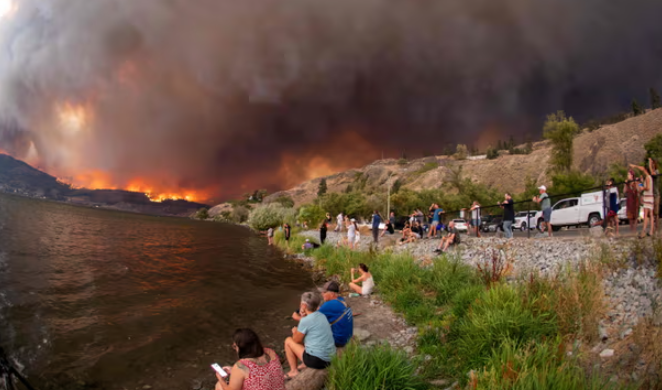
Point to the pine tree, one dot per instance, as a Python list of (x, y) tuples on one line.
[(655, 99), (636, 108), (322, 188)]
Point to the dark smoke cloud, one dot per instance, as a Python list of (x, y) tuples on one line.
[(201, 93)]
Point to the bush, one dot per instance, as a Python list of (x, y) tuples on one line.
[(572, 182), (312, 214), (239, 214), (428, 166), (492, 153), (353, 204), (284, 200), (461, 152), (379, 368), (270, 215), (203, 213)]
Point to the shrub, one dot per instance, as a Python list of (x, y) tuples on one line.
[(322, 188), (636, 108), (402, 161), (203, 213), (428, 166), (572, 182), (379, 368), (239, 214), (284, 200), (461, 152), (269, 215), (492, 153)]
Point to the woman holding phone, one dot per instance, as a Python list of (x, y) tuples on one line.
[(258, 368)]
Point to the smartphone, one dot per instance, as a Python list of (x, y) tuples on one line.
[(218, 369)]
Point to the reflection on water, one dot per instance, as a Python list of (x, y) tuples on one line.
[(105, 295)]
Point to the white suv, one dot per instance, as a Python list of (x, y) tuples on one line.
[(524, 219)]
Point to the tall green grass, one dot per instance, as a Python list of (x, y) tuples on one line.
[(511, 334), (374, 368)]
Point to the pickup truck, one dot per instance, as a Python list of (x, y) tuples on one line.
[(584, 210)]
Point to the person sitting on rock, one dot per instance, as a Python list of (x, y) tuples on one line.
[(452, 238), (258, 368), (366, 280), (312, 341), (309, 245), (337, 313)]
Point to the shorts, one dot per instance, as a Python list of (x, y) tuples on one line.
[(475, 222), (547, 214), (612, 213), (435, 223), (314, 362)]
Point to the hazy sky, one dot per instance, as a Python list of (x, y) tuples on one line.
[(228, 96)]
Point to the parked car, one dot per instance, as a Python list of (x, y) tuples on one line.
[(461, 225), (623, 213), (584, 210), (495, 224), (524, 219), (485, 220)]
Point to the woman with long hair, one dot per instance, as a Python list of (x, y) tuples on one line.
[(631, 192), (258, 368), (366, 280), (648, 198)]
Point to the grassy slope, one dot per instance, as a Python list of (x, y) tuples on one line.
[(476, 328)]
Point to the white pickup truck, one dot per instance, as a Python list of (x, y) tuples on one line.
[(584, 210)]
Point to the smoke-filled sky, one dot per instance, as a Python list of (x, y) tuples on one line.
[(225, 96)]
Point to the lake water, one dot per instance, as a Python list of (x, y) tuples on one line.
[(94, 298)]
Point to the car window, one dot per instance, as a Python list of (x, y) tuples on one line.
[(573, 202), (561, 205)]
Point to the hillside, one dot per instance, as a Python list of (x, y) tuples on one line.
[(593, 153), (17, 177)]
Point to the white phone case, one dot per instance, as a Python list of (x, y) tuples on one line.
[(218, 369)]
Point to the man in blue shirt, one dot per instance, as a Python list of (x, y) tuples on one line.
[(338, 313), (436, 219), (376, 220)]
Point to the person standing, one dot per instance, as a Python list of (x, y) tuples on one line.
[(475, 217), (339, 223), (546, 206), (270, 236), (436, 219), (614, 206), (631, 192), (352, 227), (376, 221), (508, 215), (648, 198), (287, 231), (390, 225), (323, 229)]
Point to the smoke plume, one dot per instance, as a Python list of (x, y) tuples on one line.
[(226, 96)]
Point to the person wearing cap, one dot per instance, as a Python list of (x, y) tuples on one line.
[(546, 205), (337, 312), (309, 245)]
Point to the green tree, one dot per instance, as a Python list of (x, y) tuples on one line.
[(654, 148), (560, 130), (321, 190), (239, 214), (655, 99), (636, 108), (572, 182), (311, 213)]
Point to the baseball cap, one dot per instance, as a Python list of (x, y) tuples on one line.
[(330, 286), (542, 188), (352, 220), (307, 240)]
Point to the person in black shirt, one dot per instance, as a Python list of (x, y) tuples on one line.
[(323, 229), (508, 215), (453, 238)]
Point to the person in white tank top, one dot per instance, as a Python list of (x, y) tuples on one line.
[(366, 280)]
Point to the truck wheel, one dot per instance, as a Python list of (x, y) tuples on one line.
[(593, 219), (523, 227)]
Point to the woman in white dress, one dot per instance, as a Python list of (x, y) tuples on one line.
[(366, 280), (352, 229)]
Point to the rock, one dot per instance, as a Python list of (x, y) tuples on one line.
[(604, 334), (196, 384), (362, 334), (607, 353), (308, 379), (439, 382), (626, 333), (409, 349), (147, 387)]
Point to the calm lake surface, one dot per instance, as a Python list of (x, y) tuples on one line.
[(93, 298)]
